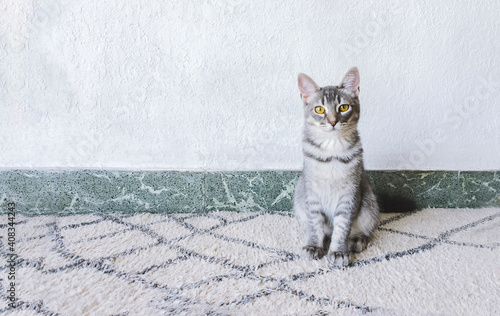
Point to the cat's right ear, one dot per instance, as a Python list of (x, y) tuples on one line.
[(307, 86)]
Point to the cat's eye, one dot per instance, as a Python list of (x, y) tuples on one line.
[(344, 107), (319, 109)]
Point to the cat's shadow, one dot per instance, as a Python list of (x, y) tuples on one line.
[(389, 203), (326, 246)]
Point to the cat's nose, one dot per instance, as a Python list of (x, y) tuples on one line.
[(333, 123)]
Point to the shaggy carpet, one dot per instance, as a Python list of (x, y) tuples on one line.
[(433, 261)]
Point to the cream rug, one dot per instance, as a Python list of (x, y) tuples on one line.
[(434, 261)]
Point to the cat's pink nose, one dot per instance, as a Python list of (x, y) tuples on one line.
[(333, 123)]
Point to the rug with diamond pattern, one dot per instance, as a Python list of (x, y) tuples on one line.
[(433, 261)]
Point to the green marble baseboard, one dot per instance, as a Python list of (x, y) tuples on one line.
[(97, 191)]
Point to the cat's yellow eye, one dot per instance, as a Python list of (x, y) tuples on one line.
[(319, 109), (344, 107)]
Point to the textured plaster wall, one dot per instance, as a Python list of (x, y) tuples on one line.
[(212, 84)]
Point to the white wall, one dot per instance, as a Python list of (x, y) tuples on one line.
[(211, 85)]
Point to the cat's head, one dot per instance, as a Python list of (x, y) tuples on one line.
[(331, 108)]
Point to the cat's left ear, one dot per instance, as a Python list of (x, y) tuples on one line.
[(350, 83)]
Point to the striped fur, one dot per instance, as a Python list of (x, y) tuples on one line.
[(333, 197)]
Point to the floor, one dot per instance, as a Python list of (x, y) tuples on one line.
[(433, 261)]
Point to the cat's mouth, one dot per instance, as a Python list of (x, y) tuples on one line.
[(329, 128)]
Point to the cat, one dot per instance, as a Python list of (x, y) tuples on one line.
[(333, 197)]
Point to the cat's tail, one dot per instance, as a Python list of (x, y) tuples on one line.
[(395, 204)]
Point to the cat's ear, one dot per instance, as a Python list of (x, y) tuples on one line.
[(307, 86), (350, 83)]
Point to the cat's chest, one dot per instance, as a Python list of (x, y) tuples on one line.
[(330, 159), (329, 172), (328, 183), (327, 162), (332, 147), (333, 174)]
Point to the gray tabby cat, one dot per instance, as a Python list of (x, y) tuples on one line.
[(333, 197)]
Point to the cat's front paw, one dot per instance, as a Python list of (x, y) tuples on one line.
[(313, 253), (338, 258)]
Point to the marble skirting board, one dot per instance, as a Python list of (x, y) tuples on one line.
[(98, 191)]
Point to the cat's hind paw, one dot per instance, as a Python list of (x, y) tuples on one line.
[(313, 252), (338, 258), (358, 244)]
